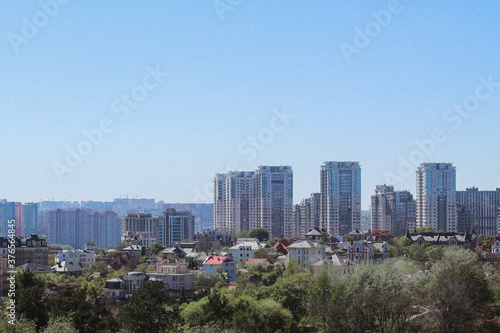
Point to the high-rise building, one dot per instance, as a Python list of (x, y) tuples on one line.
[(481, 207), (141, 226), (7, 213), (77, 227), (221, 222), (274, 202), (30, 211), (244, 200), (436, 196), (175, 226), (340, 197), (394, 211), (307, 215), (241, 200)]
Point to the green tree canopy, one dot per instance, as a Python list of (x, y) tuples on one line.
[(260, 233)]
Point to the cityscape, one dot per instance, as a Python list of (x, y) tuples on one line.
[(249, 166)]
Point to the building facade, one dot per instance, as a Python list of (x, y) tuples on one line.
[(141, 225), (306, 252), (482, 208), (394, 211), (77, 227), (340, 197), (436, 196), (275, 200), (175, 226)]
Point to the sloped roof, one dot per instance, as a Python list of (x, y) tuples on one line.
[(306, 244), (217, 260), (66, 266), (249, 261)]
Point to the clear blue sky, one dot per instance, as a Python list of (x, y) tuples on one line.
[(226, 77)]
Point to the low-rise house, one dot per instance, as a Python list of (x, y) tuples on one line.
[(176, 277), (133, 281), (36, 268), (306, 252), (68, 268), (244, 251), (116, 293), (227, 263), (358, 234), (281, 246), (368, 251), (174, 252), (255, 260), (134, 251), (314, 234), (464, 240), (84, 258), (121, 259)]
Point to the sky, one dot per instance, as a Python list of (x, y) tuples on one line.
[(150, 99)]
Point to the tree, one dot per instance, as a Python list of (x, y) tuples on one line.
[(30, 298), (324, 239), (146, 311), (155, 248), (424, 229), (260, 233), (263, 253), (143, 251)]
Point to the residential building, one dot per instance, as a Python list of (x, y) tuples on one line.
[(244, 251), (7, 213), (464, 240), (30, 212), (368, 251), (275, 200), (306, 252), (221, 221), (307, 215), (340, 197), (175, 226), (77, 227), (393, 211), (84, 258), (68, 268), (141, 224), (175, 277), (32, 249), (436, 196), (244, 200), (116, 293), (482, 208), (212, 239), (227, 263)]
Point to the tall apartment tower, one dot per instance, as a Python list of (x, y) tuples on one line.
[(340, 197), (391, 210), (234, 195), (274, 204), (481, 207), (7, 213), (221, 221), (175, 226), (142, 226), (308, 215), (436, 196), (30, 219)]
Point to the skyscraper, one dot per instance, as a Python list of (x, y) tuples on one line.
[(7, 213), (274, 202), (241, 200), (244, 200), (481, 207), (436, 196), (30, 219), (221, 222), (340, 197), (391, 210)]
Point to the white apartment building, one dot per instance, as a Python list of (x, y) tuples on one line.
[(436, 196)]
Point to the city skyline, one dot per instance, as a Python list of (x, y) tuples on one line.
[(309, 83)]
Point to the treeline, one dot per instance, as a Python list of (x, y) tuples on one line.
[(459, 293)]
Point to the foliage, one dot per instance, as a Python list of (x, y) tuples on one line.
[(266, 253), (260, 233), (146, 311), (30, 298), (155, 249), (143, 251), (324, 239), (61, 246)]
